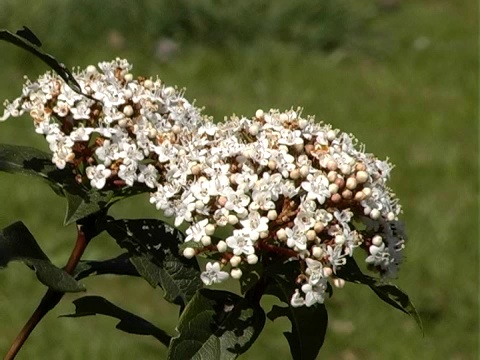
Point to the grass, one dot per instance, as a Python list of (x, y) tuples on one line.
[(416, 105)]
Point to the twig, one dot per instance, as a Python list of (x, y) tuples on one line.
[(51, 297)]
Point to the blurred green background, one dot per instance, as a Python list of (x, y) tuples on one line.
[(400, 75)]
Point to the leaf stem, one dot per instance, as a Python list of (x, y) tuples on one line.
[(51, 297)]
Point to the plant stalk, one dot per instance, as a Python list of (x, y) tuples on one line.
[(51, 297)]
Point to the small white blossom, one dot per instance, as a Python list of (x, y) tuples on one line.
[(213, 275), (98, 175)]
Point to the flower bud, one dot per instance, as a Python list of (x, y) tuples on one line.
[(332, 165), (346, 169), (232, 219), (272, 215), (304, 171), (375, 214), (252, 259), (361, 176), (317, 252), (281, 234), (359, 196), (222, 246), (272, 164), (377, 240), (339, 239), (253, 129), (264, 234), (235, 260), (331, 135), (333, 188), (347, 194), (340, 182), (206, 240), (318, 227), (332, 176), (294, 174), (148, 84), (311, 235), (91, 69), (259, 114), (189, 252), (236, 274), (210, 229), (196, 169), (367, 191), (336, 198), (351, 183)]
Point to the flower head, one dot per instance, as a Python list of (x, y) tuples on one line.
[(281, 186)]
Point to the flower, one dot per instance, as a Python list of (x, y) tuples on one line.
[(213, 275), (279, 185), (98, 175)]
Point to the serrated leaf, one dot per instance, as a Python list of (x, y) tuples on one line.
[(389, 293), (147, 269), (394, 296), (119, 265), (309, 325), (251, 276), (18, 244), (31, 43), (82, 202), (129, 323), (154, 247), (216, 325), (25, 160)]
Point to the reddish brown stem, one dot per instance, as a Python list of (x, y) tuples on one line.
[(51, 297)]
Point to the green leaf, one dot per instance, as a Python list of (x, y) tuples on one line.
[(389, 293), (31, 43), (251, 276), (16, 159), (394, 296), (154, 249), (309, 324), (82, 202), (119, 265), (129, 323), (216, 325), (18, 244)]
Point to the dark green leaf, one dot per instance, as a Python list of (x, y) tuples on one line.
[(309, 324), (26, 160), (154, 247), (28, 35), (216, 325), (24, 41), (129, 323), (389, 293), (18, 244), (120, 265), (251, 276), (394, 296), (82, 202)]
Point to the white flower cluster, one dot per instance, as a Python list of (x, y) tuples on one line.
[(277, 183)]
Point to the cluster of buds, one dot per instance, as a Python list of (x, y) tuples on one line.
[(278, 184)]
